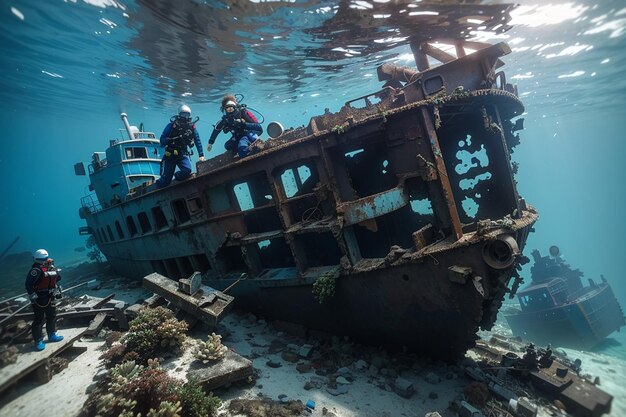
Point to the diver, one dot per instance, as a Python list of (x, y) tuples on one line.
[(241, 123), (179, 134), (43, 291)]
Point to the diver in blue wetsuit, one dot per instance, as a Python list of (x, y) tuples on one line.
[(241, 123), (177, 136)]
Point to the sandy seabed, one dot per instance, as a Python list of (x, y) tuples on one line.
[(366, 386)]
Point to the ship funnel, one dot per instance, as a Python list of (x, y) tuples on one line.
[(127, 125)]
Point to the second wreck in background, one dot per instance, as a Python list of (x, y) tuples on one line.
[(403, 211)]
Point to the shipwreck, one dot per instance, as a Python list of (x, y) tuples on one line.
[(557, 308), (401, 207)]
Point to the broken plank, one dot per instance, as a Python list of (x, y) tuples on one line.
[(29, 359), (96, 324), (232, 368), (119, 315), (65, 314), (208, 304), (104, 301), (154, 301)]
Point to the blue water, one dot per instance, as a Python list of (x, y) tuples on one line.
[(70, 67)]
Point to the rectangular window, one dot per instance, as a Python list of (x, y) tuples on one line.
[(255, 191), (298, 179), (172, 269), (185, 266), (201, 262), (180, 211), (120, 233), (136, 152), (321, 249), (159, 218), (144, 223), (132, 228), (218, 199), (195, 205), (110, 232), (159, 267), (275, 253)]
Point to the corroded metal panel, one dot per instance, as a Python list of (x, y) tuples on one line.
[(373, 206)]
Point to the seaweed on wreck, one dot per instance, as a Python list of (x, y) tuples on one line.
[(339, 129), (441, 98), (130, 389), (324, 286)]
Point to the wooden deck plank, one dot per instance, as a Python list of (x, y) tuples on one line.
[(232, 368), (29, 359)]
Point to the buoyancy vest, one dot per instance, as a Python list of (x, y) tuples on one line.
[(241, 113), (183, 137), (48, 278)]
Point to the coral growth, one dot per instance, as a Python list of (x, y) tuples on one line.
[(211, 350), (195, 402), (112, 337), (131, 390), (172, 333), (154, 332), (166, 409)]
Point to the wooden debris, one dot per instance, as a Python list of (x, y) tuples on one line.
[(232, 368), (66, 314), (133, 311), (208, 304), (104, 301), (119, 315), (155, 301), (96, 324), (43, 373), (29, 359)]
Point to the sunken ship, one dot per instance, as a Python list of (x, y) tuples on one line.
[(557, 308), (394, 221)]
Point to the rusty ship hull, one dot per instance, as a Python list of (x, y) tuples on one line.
[(372, 198)]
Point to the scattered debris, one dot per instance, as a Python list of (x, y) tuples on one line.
[(266, 408), (29, 360), (206, 304)]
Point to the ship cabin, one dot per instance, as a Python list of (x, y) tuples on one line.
[(548, 294), (127, 166)]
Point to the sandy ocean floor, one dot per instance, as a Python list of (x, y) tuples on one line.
[(367, 385)]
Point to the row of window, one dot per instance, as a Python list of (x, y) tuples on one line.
[(182, 267), (218, 198), (181, 210)]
